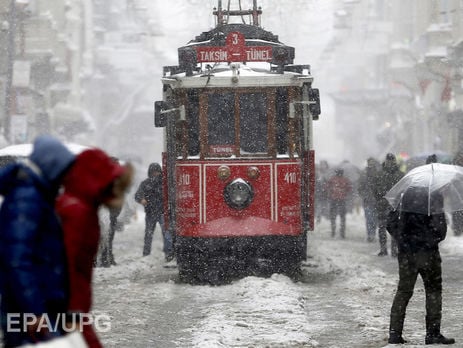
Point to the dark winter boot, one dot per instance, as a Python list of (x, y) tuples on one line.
[(395, 338), (433, 335), (438, 339), (396, 324), (169, 257)]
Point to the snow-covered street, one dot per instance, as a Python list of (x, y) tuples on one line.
[(343, 299)]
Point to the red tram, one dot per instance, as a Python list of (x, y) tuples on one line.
[(238, 159)]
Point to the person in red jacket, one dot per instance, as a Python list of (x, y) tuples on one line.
[(94, 180), (338, 189)]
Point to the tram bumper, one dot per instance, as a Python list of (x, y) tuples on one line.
[(243, 238)]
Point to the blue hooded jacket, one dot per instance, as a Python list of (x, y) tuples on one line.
[(33, 272)]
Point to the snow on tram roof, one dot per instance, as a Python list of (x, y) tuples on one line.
[(199, 43), (249, 75)]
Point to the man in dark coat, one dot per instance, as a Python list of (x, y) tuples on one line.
[(418, 237), (33, 272), (150, 195), (366, 189), (388, 176)]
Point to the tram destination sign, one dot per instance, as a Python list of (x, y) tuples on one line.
[(235, 50)]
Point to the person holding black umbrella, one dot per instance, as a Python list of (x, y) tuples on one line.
[(418, 230)]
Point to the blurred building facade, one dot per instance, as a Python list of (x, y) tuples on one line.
[(64, 67), (396, 69), (46, 44)]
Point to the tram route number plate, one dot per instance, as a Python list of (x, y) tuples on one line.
[(235, 50)]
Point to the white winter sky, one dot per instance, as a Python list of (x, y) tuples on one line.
[(303, 24)]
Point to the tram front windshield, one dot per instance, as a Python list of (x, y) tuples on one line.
[(252, 121)]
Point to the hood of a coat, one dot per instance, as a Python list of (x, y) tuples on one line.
[(92, 172), (52, 157), (154, 167)]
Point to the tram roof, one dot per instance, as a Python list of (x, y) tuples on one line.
[(239, 75)]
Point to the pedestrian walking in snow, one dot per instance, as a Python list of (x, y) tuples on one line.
[(150, 195), (107, 256), (33, 274), (366, 189), (321, 199), (457, 216), (94, 180), (338, 188), (418, 236), (388, 176)]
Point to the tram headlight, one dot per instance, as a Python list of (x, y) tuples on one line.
[(253, 172), (238, 194), (223, 173)]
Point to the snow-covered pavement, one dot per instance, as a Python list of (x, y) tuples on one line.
[(343, 299)]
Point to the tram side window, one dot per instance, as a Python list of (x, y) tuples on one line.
[(221, 115), (282, 120), (193, 123), (253, 123)]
